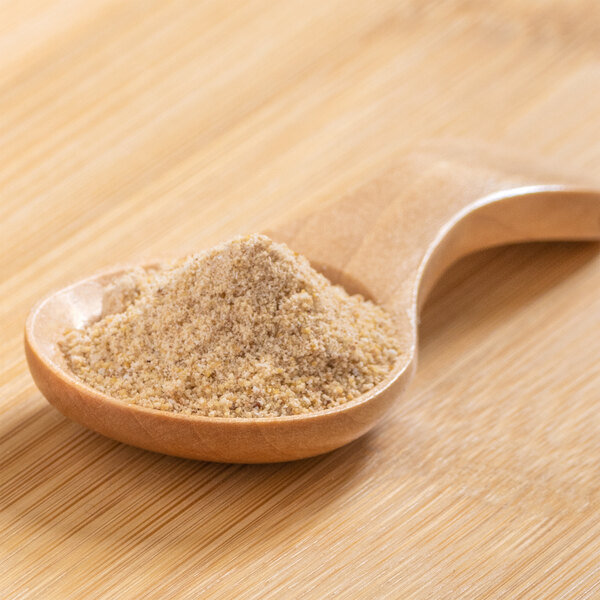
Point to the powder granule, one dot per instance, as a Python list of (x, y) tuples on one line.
[(245, 329)]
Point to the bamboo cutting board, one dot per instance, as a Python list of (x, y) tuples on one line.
[(135, 129)]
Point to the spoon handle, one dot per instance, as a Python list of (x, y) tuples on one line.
[(440, 202)]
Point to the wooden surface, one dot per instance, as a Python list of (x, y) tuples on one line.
[(136, 129)]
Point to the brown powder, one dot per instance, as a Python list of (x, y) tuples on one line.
[(245, 329)]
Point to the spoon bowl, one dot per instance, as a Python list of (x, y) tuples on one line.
[(268, 439), (390, 240)]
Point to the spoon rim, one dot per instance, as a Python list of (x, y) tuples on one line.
[(405, 361), (402, 365)]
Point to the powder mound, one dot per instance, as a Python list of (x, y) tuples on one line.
[(245, 329)]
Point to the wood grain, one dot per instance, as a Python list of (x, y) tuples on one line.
[(141, 129)]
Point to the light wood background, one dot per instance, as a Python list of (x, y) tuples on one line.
[(144, 128)]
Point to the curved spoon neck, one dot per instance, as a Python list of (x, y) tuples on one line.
[(524, 214)]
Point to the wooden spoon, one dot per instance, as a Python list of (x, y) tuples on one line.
[(389, 240)]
